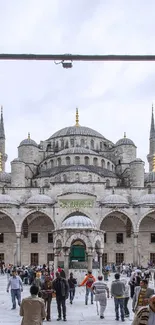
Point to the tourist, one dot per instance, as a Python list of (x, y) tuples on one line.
[(117, 291), (72, 282), (126, 298), (146, 315), (16, 285), (88, 281), (32, 308), (60, 286), (100, 289), (141, 295), (46, 294)]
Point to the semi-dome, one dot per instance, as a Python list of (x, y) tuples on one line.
[(76, 130), (40, 199), (78, 221), (76, 150), (114, 200), (5, 177), (7, 199), (28, 142), (147, 199), (125, 141)]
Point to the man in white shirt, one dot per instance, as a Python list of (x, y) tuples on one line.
[(16, 285)]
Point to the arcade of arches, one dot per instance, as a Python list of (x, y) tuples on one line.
[(35, 244)]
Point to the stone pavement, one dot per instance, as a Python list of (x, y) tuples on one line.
[(77, 314)]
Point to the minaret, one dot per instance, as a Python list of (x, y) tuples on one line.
[(2, 141), (152, 143)]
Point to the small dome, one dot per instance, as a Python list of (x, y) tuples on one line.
[(114, 199), (125, 141), (78, 222), (147, 199), (28, 142), (7, 199), (40, 199), (5, 177), (76, 150)]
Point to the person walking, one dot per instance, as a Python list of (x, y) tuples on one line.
[(141, 295), (101, 292), (32, 308), (72, 282), (146, 315), (60, 286), (16, 285), (88, 281), (117, 291), (126, 297), (46, 294)]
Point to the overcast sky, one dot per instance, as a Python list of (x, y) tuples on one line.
[(41, 97)]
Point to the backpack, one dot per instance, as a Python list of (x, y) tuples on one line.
[(89, 282)]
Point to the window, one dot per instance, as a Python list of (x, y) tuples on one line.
[(92, 144), (34, 238), (107, 183), (119, 258), (86, 159), (34, 259), (152, 258), (105, 237), (50, 238), (77, 178), (68, 161), (101, 145), (82, 142), (1, 238), (62, 144), (72, 142), (95, 161), (64, 178), (103, 163), (104, 259), (153, 237), (90, 178), (119, 238), (52, 163), (50, 257), (1, 257), (108, 165), (77, 160), (45, 166), (59, 161)]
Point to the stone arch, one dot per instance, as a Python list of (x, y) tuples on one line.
[(119, 211), (78, 236), (33, 211), (7, 214), (144, 216), (8, 238)]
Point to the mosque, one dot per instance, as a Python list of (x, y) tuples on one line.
[(78, 200)]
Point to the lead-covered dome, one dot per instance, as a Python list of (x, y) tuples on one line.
[(28, 142), (40, 199), (7, 200), (125, 141), (114, 200), (76, 130), (78, 221), (147, 200)]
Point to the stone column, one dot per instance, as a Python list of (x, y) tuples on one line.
[(100, 262), (66, 264), (90, 261), (55, 262), (18, 249), (135, 249)]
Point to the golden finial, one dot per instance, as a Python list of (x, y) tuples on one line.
[(29, 136), (0, 162), (77, 117), (153, 164), (124, 134)]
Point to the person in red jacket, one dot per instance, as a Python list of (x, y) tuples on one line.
[(88, 281)]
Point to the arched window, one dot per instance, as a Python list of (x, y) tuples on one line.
[(62, 143), (82, 142), (77, 160), (45, 166), (56, 146), (66, 144), (95, 161), (72, 142), (101, 145), (86, 159), (35, 183), (108, 165), (48, 147), (59, 161), (77, 178), (103, 163), (90, 178), (51, 163), (92, 144), (64, 178), (107, 183), (68, 161)]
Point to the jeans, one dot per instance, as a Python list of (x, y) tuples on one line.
[(15, 294), (126, 310), (119, 302), (71, 294), (88, 290), (61, 301), (48, 301)]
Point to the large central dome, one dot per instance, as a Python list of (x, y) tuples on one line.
[(76, 130)]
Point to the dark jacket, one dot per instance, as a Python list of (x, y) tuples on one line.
[(72, 282), (60, 286), (46, 290)]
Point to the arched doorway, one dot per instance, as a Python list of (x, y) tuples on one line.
[(78, 251), (7, 239), (146, 240), (118, 245), (37, 239)]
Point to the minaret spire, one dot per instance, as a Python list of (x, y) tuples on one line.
[(77, 117), (152, 129), (2, 132)]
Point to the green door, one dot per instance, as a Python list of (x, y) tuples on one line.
[(77, 253)]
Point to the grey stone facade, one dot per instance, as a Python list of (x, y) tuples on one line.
[(77, 172)]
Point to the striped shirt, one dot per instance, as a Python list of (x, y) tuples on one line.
[(100, 287)]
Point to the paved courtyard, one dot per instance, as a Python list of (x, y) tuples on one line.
[(77, 313)]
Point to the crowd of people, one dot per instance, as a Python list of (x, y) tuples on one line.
[(44, 285)]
